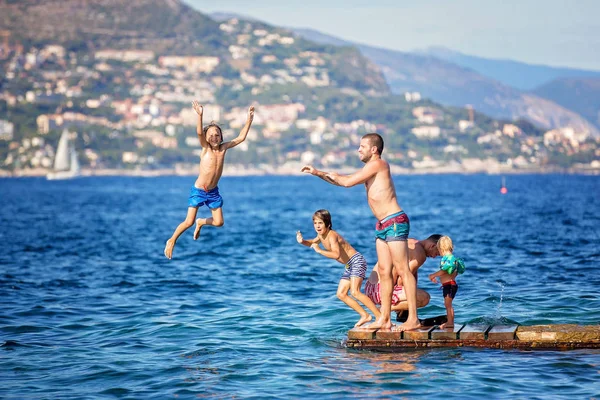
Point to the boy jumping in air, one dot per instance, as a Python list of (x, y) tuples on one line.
[(205, 190)]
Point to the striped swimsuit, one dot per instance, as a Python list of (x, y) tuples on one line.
[(356, 266)]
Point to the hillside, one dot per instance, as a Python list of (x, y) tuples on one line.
[(454, 85), (579, 94), (122, 89), (169, 27)]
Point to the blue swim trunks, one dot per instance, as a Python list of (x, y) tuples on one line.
[(199, 197), (393, 228)]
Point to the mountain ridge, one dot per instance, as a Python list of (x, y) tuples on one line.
[(579, 94), (167, 27), (126, 94), (451, 84), (520, 75)]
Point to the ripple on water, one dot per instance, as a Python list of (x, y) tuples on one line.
[(92, 306)]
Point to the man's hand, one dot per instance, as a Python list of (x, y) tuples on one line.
[(251, 113), (309, 169), (433, 278), (299, 237), (315, 247), (197, 107)]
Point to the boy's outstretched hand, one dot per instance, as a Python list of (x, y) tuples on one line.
[(433, 278), (197, 107), (299, 237), (251, 113)]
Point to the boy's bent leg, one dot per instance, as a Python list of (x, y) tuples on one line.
[(355, 285), (384, 267), (216, 220), (342, 294), (399, 254), (422, 300), (188, 222)]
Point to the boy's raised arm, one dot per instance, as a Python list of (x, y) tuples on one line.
[(245, 129), (307, 243), (199, 110)]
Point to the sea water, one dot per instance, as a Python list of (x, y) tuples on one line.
[(91, 308)]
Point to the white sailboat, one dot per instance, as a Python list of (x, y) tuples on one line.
[(66, 164)]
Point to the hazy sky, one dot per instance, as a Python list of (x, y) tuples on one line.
[(550, 32)]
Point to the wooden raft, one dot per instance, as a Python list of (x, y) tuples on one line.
[(559, 337)]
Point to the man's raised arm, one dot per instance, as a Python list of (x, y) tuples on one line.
[(245, 129)]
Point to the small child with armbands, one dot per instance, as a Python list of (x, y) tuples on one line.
[(450, 266)]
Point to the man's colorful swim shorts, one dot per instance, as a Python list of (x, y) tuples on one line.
[(372, 290), (199, 197), (393, 228), (357, 266)]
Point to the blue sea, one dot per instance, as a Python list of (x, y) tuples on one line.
[(91, 309)]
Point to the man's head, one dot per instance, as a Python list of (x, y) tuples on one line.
[(322, 221), (213, 134), (431, 245), (371, 144)]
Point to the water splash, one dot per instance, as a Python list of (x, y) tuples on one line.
[(502, 284)]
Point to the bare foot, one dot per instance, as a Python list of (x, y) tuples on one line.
[(363, 320), (379, 324), (408, 326), (198, 227), (446, 325), (169, 248)]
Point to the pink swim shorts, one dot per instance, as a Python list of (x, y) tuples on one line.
[(372, 290)]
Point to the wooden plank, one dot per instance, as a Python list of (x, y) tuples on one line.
[(474, 331), (418, 334), (447, 333), (361, 334), (562, 333), (547, 337), (502, 332), (391, 345), (388, 334)]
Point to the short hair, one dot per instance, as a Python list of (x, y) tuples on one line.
[(435, 238), (445, 245), (324, 216), (376, 140), (213, 125)]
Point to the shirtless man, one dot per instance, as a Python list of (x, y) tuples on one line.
[(205, 190), (391, 230), (418, 252)]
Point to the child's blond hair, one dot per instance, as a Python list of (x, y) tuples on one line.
[(445, 245)]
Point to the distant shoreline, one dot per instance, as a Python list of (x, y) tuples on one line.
[(254, 171)]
